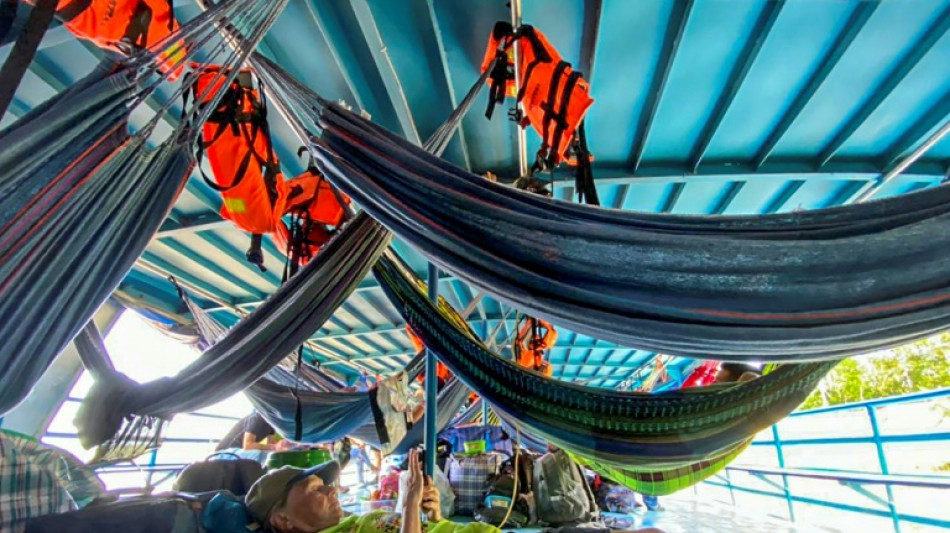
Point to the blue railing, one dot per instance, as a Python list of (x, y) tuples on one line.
[(777, 480)]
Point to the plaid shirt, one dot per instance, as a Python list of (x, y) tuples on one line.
[(469, 477), (27, 489)]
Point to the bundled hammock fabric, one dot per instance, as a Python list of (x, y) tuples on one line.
[(450, 400), (138, 435), (80, 198), (659, 431), (785, 287), (252, 347)]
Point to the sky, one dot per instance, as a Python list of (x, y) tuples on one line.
[(143, 353)]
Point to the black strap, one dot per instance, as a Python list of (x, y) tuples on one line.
[(24, 50), (298, 416), (137, 30), (584, 176), (560, 118), (255, 252)]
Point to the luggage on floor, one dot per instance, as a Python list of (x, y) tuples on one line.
[(146, 515), (235, 475), (561, 491), (469, 476)]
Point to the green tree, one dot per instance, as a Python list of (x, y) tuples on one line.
[(923, 365)]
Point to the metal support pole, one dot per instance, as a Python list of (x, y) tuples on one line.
[(484, 412), (882, 460), (781, 463), (522, 134), (432, 383), (907, 162)]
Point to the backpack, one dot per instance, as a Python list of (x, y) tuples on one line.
[(562, 492), (501, 490), (235, 476)]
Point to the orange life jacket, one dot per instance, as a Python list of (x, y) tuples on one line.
[(118, 25), (313, 205), (555, 97), (237, 141), (533, 338), (302, 241), (442, 372), (312, 193)]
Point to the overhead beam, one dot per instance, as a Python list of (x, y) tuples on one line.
[(891, 80), (387, 71), (188, 225), (453, 98), (737, 76), (918, 133), (784, 196), (675, 28), (734, 189), (676, 189), (859, 17), (593, 10)]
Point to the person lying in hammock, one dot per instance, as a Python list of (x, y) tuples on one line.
[(737, 372), (294, 500), (252, 433)]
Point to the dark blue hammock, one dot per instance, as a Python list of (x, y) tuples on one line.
[(799, 286), (80, 197)]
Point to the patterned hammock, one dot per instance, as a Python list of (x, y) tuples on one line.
[(623, 429)]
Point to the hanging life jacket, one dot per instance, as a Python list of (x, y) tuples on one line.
[(313, 205), (124, 26), (554, 96), (534, 338), (442, 372), (237, 141)]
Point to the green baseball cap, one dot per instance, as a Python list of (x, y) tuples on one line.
[(272, 487)]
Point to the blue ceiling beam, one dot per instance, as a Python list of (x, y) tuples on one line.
[(859, 17), (450, 86), (387, 71), (779, 201), (918, 132), (740, 70), (213, 267), (593, 10), (664, 65), (239, 255), (901, 68), (349, 75), (194, 224), (149, 258), (734, 189), (676, 189)]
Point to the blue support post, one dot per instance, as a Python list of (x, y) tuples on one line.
[(781, 463), (432, 383), (484, 412), (882, 459)]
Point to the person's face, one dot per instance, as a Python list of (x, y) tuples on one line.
[(311, 506)]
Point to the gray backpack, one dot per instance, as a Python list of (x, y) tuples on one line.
[(563, 496)]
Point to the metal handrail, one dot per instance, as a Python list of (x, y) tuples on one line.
[(853, 480)]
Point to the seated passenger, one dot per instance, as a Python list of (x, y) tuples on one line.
[(251, 433), (293, 500)]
